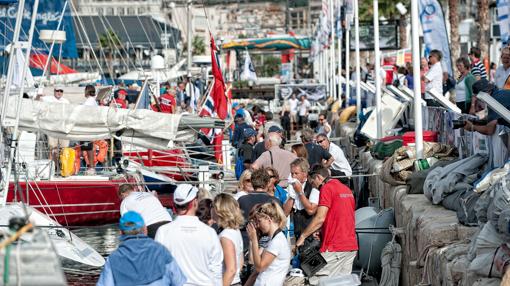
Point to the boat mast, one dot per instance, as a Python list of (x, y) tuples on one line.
[(17, 45), (190, 36)]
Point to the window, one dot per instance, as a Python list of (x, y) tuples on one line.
[(120, 11), (131, 11), (100, 11), (109, 11), (141, 10)]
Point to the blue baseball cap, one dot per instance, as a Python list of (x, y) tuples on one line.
[(131, 221), (249, 132), (275, 128), (235, 104)]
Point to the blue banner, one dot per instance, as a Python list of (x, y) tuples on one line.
[(504, 19), (434, 31), (48, 16)]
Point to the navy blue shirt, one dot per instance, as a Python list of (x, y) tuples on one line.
[(316, 154), (238, 137), (503, 97)]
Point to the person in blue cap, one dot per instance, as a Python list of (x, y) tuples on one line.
[(240, 125), (139, 260), (245, 151)]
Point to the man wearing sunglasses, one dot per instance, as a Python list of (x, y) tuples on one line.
[(55, 143), (58, 96), (340, 165)]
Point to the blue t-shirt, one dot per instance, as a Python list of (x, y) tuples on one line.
[(502, 96), (281, 194)]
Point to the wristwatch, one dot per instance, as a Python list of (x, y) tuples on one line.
[(300, 193)]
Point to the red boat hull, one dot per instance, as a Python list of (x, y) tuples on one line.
[(73, 202), (76, 203), (166, 158)]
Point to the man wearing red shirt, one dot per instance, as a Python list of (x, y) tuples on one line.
[(167, 103), (120, 101), (335, 215)]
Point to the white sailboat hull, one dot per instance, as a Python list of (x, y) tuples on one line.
[(66, 243)]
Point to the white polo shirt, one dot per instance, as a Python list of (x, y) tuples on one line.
[(501, 75), (147, 205), (435, 76), (340, 163), (53, 99), (196, 248)]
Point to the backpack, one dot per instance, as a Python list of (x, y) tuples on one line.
[(239, 168)]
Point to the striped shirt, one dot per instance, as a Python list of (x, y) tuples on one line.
[(478, 70)]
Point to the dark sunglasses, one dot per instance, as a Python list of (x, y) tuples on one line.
[(320, 141), (59, 90)]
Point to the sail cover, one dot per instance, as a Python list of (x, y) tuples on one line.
[(140, 127)]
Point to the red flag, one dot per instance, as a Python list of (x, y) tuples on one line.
[(218, 88), (38, 61)]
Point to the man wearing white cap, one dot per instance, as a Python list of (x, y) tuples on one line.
[(193, 244)]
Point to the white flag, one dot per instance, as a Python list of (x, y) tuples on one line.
[(504, 19), (248, 70)]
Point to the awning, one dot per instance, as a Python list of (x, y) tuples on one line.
[(143, 31), (274, 44)]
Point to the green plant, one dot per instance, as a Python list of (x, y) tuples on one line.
[(198, 46)]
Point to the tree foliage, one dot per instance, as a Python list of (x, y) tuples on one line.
[(198, 46), (387, 9), (109, 39)]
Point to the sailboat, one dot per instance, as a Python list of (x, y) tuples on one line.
[(66, 244)]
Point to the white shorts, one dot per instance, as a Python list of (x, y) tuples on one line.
[(338, 263)]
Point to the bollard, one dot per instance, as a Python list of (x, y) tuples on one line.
[(204, 176)]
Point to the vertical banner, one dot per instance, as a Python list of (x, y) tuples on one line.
[(48, 17), (434, 31), (504, 19)]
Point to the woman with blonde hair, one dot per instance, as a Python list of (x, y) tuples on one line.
[(272, 264), (228, 216), (244, 186)]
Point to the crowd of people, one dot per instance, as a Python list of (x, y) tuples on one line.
[(285, 199), (435, 75)]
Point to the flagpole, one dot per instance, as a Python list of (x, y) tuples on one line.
[(340, 91), (418, 132), (332, 48), (358, 64), (326, 68), (377, 70), (347, 64)]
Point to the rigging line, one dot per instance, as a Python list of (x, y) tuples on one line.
[(8, 26), (83, 47), (86, 37), (101, 50), (206, 17), (145, 32), (111, 40), (130, 42), (121, 44), (50, 52)]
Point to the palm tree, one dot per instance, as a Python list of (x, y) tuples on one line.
[(454, 29), (110, 41), (388, 10), (483, 26)]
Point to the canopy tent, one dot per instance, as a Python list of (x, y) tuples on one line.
[(272, 44)]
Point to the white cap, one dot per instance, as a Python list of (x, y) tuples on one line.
[(184, 194)]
